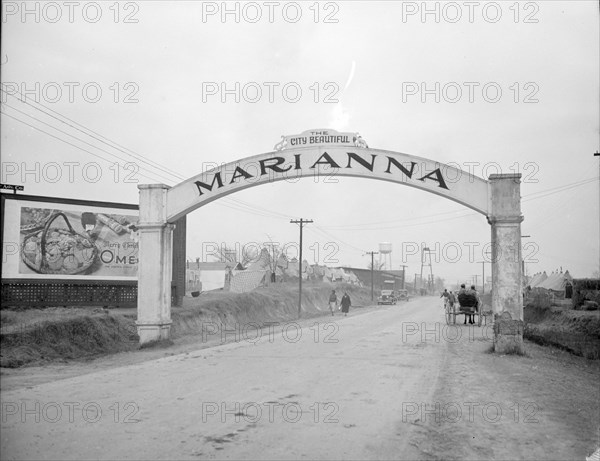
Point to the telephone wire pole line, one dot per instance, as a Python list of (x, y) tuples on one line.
[(372, 253), (597, 154), (302, 223)]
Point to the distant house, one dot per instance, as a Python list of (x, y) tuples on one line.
[(202, 276), (293, 267), (248, 280), (363, 277)]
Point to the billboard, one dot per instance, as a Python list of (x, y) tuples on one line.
[(68, 239)]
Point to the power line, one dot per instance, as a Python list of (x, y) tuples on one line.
[(72, 136), (527, 198), (564, 188), (67, 142), (110, 143), (395, 220), (243, 206), (329, 235)]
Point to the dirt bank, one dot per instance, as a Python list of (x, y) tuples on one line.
[(34, 336), (575, 331)]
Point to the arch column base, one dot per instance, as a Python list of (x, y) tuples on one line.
[(508, 335), (152, 332)]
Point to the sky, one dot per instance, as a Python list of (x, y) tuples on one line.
[(125, 93)]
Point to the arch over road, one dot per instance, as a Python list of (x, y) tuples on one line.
[(498, 198), (290, 165)]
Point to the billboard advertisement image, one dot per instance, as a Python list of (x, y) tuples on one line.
[(53, 240)]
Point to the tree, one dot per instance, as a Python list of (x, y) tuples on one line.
[(272, 253), (438, 284), (376, 265), (226, 254)]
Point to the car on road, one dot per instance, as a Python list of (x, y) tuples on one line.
[(402, 295), (387, 297)]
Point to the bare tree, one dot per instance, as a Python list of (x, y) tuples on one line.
[(376, 265), (272, 253), (228, 255), (438, 284)]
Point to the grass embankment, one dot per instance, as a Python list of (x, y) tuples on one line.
[(575, 331), (33, 336)]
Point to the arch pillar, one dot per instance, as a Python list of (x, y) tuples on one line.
[(155, 265), (507, 298)]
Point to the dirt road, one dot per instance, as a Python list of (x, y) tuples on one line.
[(388, 383)]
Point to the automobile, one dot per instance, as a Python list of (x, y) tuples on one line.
[(387, 297), (402, 295)]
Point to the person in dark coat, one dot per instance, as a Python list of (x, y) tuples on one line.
[(346, 303), (332, 302)]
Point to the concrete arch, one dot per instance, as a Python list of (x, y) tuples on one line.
[(290, 164), (498, 198)]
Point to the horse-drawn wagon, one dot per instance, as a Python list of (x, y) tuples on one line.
[(467, 305)]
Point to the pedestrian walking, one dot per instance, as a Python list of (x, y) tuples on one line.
[(346, 303), (332, 302), (445, 295), (451, 298)]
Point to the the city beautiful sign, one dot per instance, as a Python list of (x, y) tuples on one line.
[(327, 153), (321, 137)]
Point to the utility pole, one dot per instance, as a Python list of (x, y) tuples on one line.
[(483, 282), (403, 266), (597, 154), (372, 253), (475, 276), (426, 253), (302, 222), (523, 271)]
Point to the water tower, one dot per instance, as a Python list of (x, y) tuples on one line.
[(385, 255)]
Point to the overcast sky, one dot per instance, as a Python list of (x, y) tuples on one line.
[(510, 87)]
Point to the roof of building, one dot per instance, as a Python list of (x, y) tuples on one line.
[(209, 266)]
